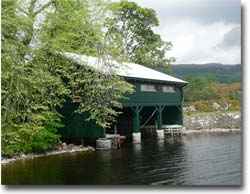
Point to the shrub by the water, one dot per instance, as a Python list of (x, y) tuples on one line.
[(37, 136)]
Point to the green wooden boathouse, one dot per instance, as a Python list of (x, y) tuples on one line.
[(157, 101)]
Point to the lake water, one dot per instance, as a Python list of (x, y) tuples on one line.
[(203, 159)]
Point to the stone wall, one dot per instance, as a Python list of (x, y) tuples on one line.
[(212, 120)]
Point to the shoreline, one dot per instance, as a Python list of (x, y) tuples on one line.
[(89, 148), (49, 153), (214, 130)]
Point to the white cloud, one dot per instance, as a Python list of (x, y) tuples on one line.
[(195, 42), (232, 38), (202, 31)]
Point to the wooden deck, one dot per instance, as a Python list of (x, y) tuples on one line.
[(173, 130)]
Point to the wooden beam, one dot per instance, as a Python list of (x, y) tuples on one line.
[(160, 109), (137, 108), (136, 118)]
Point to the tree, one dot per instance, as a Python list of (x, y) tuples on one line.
[(132, 26), (200, 88), (71, 28), (36, 78), (27, 104)]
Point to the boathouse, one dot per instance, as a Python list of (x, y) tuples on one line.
[(156, 102)]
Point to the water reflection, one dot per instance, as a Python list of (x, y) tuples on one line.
[(187, 160), (137, 148), (105, 155), (160, 144)]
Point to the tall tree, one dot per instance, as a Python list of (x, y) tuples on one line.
[(36, 78), (27, 107), (72, 28), (132, 26)]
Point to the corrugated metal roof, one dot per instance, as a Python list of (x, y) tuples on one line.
[(130, 70)]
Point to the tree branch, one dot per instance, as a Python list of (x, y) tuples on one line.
[(43, 8)]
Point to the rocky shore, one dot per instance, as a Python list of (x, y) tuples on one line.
[(212, 122), (215, 130), (60, 149), (215, 122)]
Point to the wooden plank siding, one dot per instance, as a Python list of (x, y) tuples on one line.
[(77, 127), (153, 98), (138, 106)]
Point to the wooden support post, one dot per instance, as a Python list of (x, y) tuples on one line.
[(181, 115), (136, 124), (160, 131), (136, 118), (160, 109), (136, 121), (159, 120)]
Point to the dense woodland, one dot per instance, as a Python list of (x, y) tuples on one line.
[(221, 73), (37, 79)]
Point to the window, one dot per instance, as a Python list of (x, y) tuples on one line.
[(157, 88), (148, 88), (168, 89)]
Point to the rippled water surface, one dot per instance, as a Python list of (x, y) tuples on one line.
[(204, 159)]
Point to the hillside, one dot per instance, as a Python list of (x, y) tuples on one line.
[(221, 73)]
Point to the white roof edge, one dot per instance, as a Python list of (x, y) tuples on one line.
[(129, 70)]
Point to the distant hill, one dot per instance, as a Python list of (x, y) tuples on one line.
[(221, 73)]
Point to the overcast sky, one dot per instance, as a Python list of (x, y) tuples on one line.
[(202, 31)]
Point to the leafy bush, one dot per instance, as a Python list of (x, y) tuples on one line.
[(37, 136)]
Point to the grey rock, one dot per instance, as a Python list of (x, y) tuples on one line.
[(213, 120)]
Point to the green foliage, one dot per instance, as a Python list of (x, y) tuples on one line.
[(36, 78), (204, 92), (100, 94), (37, 136), (132, 27), (70, 28), (27, 85), (221, 73), (229, 95), (200, 88)]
